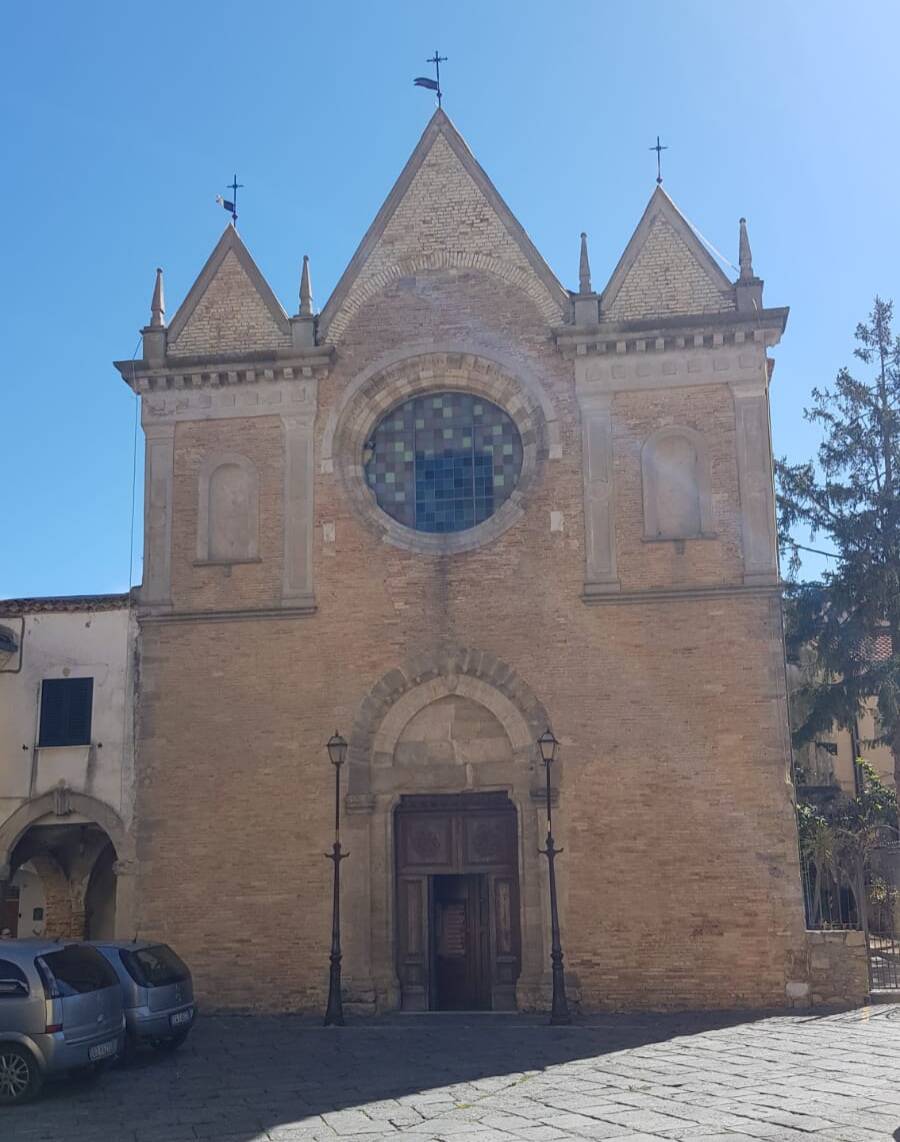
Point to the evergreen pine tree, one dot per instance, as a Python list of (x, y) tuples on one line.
[(851, 618)]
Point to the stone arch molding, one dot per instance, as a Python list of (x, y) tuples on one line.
[(402, 693), (520, 277), (383, 386), (18, 823)]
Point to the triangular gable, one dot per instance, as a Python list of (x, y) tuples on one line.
[(665, 270), (442, 210), (230, 308)]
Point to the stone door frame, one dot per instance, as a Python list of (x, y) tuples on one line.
[(375, 789), (466, 834)]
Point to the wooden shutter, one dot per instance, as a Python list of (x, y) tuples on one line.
[(66, 706)]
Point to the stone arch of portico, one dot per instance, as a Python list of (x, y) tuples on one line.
[(376, 786), (57, 807), (48, 805)]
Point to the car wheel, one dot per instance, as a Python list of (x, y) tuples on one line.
[(172, 1043), (20, 1076)]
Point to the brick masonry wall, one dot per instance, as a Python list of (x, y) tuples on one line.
[(679, 881), (210, 588), (230, 317), (666, 280), (442, 219), (709, 410)]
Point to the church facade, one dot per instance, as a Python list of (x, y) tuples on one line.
[(457, 506)]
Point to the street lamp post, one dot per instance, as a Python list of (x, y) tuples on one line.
[(334, 1012), (559, 1011)]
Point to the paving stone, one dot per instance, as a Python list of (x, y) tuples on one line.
[(719, 1079)]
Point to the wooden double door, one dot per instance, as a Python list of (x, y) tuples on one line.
[(458, 937)]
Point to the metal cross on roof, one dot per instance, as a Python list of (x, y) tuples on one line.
[(231, 204), (433, 84), (659, 149)]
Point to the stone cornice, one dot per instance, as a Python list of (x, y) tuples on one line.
[(158, 615), (212, 372), (690, 332), (672, 594)]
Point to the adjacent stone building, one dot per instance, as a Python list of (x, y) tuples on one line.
[(458, 505), (66, 766)]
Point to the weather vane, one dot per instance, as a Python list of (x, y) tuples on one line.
[(231, 204), (659, 151), (432, 84)]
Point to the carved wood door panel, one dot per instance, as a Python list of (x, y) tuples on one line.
[(413, 941), (444, 839)]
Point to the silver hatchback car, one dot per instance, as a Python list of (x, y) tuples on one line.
[(157, 989), (61, 1010)]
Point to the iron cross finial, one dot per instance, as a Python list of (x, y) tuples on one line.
[(659, 149), (231, 204), (437, 60)]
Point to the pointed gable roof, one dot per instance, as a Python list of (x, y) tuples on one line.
[(230, 308), (442, 211), (665, 271)]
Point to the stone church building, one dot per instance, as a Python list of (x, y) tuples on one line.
[(456, 506)]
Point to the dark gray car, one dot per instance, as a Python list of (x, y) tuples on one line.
[(157, 991), (60, 1010)]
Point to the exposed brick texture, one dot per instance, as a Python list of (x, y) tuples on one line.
[(679, 880), (443, 220), (666, 279), (230, 317)]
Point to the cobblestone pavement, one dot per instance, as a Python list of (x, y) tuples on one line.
[(494, 1079)]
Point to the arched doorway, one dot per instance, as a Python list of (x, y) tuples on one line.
[(461, 725), (73, 867), (458, 935), (72, 850)]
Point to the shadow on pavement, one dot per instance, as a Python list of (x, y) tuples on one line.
[(237, 1077)]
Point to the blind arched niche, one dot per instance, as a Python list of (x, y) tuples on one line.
[(228, 510), (676, 486)]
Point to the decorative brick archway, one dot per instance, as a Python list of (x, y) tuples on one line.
[(377, 781)]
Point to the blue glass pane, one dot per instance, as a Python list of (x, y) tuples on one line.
[(443, 462)]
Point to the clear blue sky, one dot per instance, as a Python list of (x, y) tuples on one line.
[(121, 121)]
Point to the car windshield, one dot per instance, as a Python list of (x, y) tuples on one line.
[(156, 966), (77, 969)]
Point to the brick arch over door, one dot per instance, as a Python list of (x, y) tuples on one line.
[(401, 693), (377, 782)]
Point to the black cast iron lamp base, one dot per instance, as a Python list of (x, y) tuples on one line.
[(334, 1012), (559, 1010)]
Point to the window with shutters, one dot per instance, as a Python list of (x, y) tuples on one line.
[(66, 711)]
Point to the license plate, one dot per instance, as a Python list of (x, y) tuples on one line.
[(180, 1018), (102, 1051)]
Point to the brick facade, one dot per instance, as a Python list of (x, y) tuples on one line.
[(679, 880), (666, 280)]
